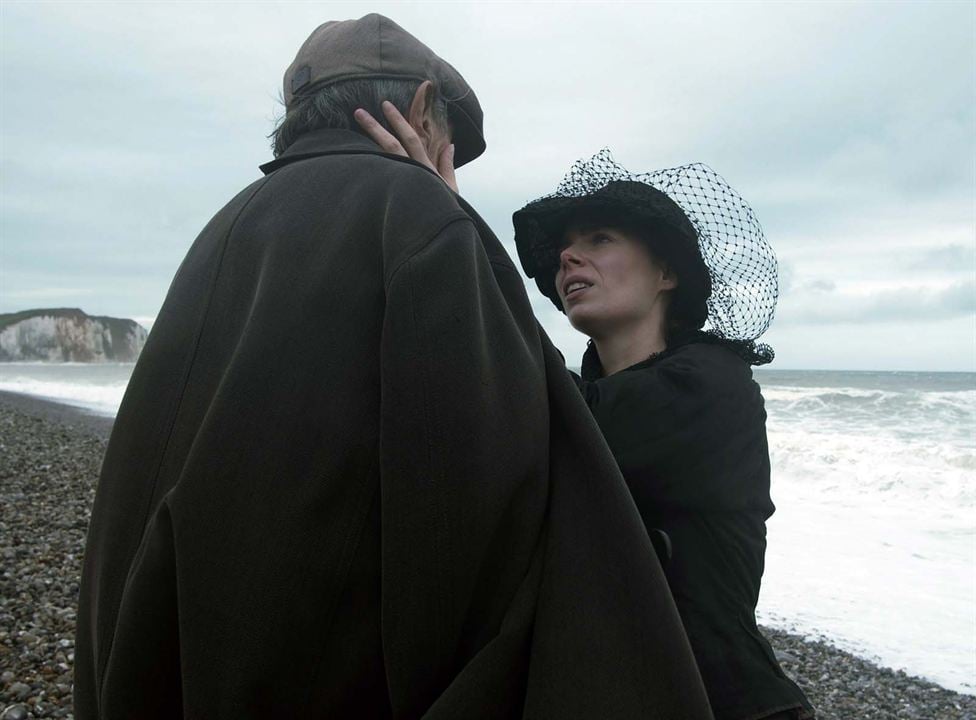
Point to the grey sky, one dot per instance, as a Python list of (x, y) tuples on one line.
[(850, 128)]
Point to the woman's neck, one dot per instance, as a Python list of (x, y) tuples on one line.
[(629, 346)]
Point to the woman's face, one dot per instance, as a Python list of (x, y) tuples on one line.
[(608, 281)]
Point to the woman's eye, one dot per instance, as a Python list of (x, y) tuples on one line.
[(600, 238)]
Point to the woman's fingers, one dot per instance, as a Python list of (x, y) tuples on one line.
[(406, 134), (405, 141), (379, 134)]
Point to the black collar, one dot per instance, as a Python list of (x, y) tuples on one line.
[(331, 142), (592, 369)]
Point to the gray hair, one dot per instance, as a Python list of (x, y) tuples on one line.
[(332, 106)]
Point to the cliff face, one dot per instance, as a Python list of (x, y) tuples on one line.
[(68, 335)]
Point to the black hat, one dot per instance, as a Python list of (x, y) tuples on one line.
[(659, 222), (376, 47), (690, 218)]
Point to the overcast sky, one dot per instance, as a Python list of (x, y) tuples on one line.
[(849, 127)]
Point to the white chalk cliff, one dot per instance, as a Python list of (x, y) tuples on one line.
[(68, 335)]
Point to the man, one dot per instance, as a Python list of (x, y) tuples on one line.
[(350, 477)]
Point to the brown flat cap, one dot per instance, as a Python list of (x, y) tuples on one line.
[(376, 47)]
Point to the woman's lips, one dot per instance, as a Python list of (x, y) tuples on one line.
[(575, 289)]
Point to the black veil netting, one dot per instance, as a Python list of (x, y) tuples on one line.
[(741, 263)]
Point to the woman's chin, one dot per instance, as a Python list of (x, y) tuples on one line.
[(583, 320)]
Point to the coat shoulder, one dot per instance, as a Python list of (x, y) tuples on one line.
[(712, 368), (395, 203), (708, 356), (390, 176)]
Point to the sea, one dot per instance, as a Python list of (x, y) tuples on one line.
[(873, 544)]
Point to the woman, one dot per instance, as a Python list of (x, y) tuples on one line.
[(677, 406)]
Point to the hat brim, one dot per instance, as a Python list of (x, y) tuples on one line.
[(468, 141)]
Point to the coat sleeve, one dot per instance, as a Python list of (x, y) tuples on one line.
[(687, 432), (464, 437)]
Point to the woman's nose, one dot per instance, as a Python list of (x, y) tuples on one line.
[(568, 256)]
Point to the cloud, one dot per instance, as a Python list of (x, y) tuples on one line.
[(933, 345), (952, 258), (847, 127), (45, 293), (823, 304), (820, 286)]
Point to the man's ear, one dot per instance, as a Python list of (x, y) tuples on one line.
[(421, 111)]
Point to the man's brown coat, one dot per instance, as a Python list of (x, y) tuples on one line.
[(352, 478)]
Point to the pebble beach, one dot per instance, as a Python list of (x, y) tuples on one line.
[(49, 460)]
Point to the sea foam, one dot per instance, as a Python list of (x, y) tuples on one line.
[(97, 388), (873, 544)]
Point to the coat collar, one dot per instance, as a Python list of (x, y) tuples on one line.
[(331, 141), (592, 369)]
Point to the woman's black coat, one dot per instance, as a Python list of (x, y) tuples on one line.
[(688, 430)]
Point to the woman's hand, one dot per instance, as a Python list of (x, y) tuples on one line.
[(406, 142)]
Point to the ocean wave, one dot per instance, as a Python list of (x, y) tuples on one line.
[(788, 393), (103, 399), (911, 475), (926, 416), (49, 364), (825, 396)]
